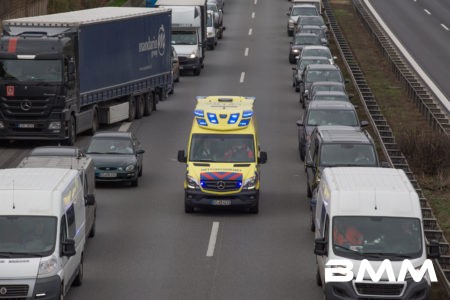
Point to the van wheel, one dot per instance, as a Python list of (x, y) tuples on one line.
[(72, 131), (79, 279), (139, 106), (197, 72), (318, 279)]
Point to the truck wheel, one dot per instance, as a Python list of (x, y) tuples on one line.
[(148, 104), (197, 72), (131, 109), (95, 123), (79, 279), (154, 101), (139, 100), (72, 132)]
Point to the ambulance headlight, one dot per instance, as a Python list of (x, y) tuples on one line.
[(250, 183), (48, 266), (192, 183)]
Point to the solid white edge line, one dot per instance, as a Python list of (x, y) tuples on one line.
[(411, 60), (250, 31), (445, 27), (246, 52), (241, 80), (253, 15), (212, 239), (124, 127), (427, 11)]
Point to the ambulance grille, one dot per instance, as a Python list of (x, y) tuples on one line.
[(221, 185)]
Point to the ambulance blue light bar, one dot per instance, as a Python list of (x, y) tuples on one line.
[(233, 118), (247, 113), (202, 122), (212, 118), (199, 113), (244, 122)]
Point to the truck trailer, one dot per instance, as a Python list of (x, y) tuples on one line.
[(66, 73)]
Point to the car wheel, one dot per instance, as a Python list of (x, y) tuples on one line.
[(313, 226), (134, 182), (79, 279), (197, 72), (302, 152), (140, 171), (308, 191)]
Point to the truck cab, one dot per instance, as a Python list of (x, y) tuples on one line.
[(223, 156)]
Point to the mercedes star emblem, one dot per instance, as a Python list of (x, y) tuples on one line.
[(220, 185), (25, 105), (3, 290)]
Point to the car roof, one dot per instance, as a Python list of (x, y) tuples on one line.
[(112, 134), (310, 26), (322, 67), (305, 34), (338, 133), (315, 83), (316, 58), (331, 93), (316, 47), (56, 151), (302, 4), (330, 104)]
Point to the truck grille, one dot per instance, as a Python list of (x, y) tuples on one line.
[(379, 289), (221, 185), (13, 291), (22, 107)]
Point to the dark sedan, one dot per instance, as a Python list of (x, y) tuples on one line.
[(117, 157), (299, 41), (301, 65)]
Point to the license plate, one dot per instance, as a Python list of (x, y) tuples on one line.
[(221, 202), (25, 125), (108, 174)]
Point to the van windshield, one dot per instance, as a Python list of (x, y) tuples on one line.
[(27, 236), (184, 38), (377, 238), (347, 154), (222, 148)]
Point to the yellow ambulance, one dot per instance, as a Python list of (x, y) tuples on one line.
[(223, 157)]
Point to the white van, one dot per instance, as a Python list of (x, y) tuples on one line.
[(317, 3), (369, 214), (42, 232)]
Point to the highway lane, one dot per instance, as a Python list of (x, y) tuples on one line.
[(423, 29), (146, 247)]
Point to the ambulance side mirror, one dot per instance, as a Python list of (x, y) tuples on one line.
[(182, 157), (262, 157)]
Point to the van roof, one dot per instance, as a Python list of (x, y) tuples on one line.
[(369, 191), (335, 133), (64, 162), (43, 179)]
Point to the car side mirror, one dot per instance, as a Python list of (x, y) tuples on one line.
[(335, 57), (299, 123), (309, 163), (287, 14), (140, 151), (294, 68), (68, 248), (364, 123), (182, 157), (434, 249), (291, 42), (262, 157), (320, 247), (89, 199)]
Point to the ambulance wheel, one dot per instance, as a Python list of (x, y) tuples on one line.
[(79, 279), (255, 209), (188, 208)]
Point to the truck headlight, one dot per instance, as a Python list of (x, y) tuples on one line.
[(295, 50), (192, 183), (48, 266), (130, 168), (250, 183), (54, 125), (193, 55)]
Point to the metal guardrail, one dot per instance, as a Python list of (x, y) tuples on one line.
[(386, 137)]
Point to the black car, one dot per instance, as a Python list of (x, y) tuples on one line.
[(332, 96), (301, 65), (117, 157), (299, 41), (325, 113)]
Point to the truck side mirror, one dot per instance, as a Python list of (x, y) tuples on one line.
[(89, 199), (182, 157), (433, 249), (68, 248), (262, 157), (320, 247)]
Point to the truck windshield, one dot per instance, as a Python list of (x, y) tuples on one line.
[(184, 38), (222, 148), (27, 236), (31, 70), (347, 154), (318, 117), (377, 238)]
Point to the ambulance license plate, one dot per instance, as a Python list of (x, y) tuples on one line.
[(221, 202), (109, 174)]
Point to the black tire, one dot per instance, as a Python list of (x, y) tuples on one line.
[(162, 94), (132, 109), (197, 72), (95, 122), (148, 104), (92, 232), (139, 100), (72, 132), (61, 292), (140, 171), (135, 182), (301, 151), (312, 225), (297, 89), (254, 209), (79, 279), (318, 279), (308, 191), (154, 101), (188, 208)]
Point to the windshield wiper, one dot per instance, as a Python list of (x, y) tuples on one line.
[(347, 249), (205, 160), (388, 254), (11, 254)]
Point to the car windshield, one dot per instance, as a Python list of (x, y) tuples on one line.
[(184, 38), (324, 52), (325, 87), (222, 148), (110, 146), (318, 61), (318, 117), (324, 75), (377, 237), (311, 21), (31, 70), (212, 7), (347, 154), (330, 97), (317, 31), (303, 11), (307, 40), (27, 236)]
